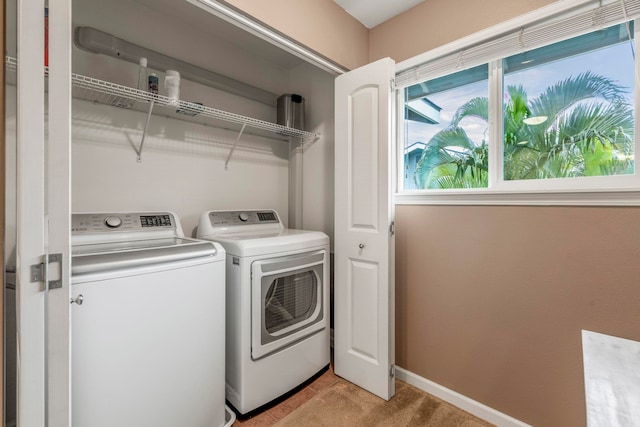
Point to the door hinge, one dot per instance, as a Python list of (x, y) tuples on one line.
[(392, 85), (392, 228), (392, 371), (39, 272)]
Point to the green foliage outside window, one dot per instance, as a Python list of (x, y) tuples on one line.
[(578, 127)]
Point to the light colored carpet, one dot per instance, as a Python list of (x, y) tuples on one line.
[(344, 404)]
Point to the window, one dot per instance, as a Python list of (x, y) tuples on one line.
[(568, 108), (558, 117), (446, 131)]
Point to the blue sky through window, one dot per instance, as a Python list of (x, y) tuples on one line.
[(615, 62)]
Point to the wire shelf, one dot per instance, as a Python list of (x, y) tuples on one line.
[(107, 93)]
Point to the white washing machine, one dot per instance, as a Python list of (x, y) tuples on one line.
[(277, 304), (147, 323)]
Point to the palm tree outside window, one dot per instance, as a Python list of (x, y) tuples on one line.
[(567, 112)]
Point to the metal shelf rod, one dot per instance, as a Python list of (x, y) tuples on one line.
[(226, 163), (144, 132)]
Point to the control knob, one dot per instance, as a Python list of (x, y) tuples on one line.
[(113, 222), (243, 217)]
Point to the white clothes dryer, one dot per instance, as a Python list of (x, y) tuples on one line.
[(277, 299), (147, 323)]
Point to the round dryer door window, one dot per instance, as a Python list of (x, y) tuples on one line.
[(290, 300)]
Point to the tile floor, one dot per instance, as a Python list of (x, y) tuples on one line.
[(277, 412)]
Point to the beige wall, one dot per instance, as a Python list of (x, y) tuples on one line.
[(436, 22), (491, 300), (326, 28), (318, 24)]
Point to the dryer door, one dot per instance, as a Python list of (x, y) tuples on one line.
[(287, 295)]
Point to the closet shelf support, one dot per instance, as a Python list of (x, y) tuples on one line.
[(144, 132), (115, 95), (226, 163)]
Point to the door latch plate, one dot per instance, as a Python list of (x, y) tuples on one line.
[(39, 271)]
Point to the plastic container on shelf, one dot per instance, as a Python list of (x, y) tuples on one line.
[(172, 86), (290, 111), (153, 83)]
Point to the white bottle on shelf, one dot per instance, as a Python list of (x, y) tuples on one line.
[(142, 75), (172, 85)]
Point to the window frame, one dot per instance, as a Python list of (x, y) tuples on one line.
[(600, 190)]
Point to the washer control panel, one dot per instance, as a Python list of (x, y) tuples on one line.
[(98, 223), (243, 217)]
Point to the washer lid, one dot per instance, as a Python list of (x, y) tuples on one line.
[(107, 257), (255, 242)]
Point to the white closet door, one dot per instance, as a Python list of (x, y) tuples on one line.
[(43, 195), (58, 213), (364, 268), (30, 227)]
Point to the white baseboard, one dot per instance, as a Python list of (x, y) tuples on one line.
[(471, 406)]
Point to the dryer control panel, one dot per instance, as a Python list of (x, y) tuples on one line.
[(221, 218), (107, 222)]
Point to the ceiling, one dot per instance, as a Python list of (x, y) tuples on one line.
[(373, 12)]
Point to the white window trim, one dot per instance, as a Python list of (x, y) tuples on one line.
[(622, 190), (488, 197)]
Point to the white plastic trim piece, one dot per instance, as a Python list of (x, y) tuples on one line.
[(463, 402), (230, 416)]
